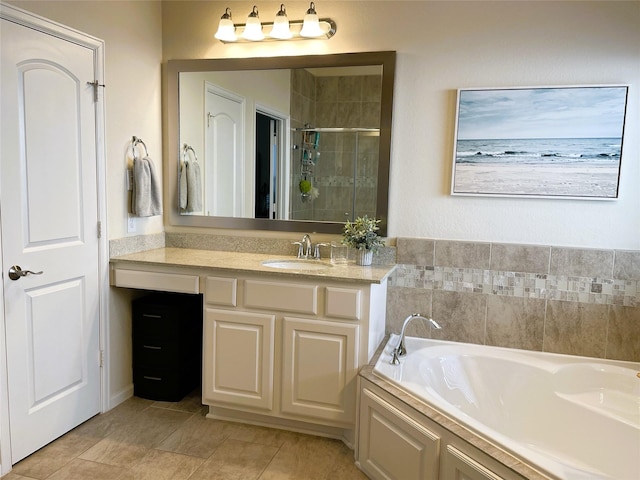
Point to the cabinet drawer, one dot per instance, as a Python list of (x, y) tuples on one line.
[(283, 297), (343, 303), (160, 353), (164, 384), (164, 282), (221, 291)]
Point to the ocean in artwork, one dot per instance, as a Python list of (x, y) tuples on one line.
[(580, 167)]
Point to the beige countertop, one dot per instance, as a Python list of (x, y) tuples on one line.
[(241, 262)]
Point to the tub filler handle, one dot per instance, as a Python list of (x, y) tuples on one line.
[(400, 350)]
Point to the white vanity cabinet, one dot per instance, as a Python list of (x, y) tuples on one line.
[(287, 353), (281, 349)]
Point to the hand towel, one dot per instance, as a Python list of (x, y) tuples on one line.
[(194, 188), (145, 196), (182, 189)]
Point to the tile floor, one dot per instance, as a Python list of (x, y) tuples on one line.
[(141, 439)]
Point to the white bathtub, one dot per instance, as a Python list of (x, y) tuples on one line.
[(571, 417)]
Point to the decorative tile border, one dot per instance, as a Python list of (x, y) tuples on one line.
[(605, 291)]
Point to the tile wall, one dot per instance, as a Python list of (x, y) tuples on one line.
[(553, 299), (346, 160)]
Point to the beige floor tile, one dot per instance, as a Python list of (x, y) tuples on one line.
[(236, 460), (263, 435), (156, 465), (54, 456), (304, 458), (112, 451), (191, 403), (84, 470), (15, 476), (344, 466), (198, 436)]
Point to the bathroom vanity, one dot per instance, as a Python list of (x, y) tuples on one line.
[(282, 341)]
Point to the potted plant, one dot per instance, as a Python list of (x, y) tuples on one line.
[(361, 235)]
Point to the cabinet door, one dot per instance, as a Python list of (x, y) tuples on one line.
[(238, 358), (458, 465), (319, 369), (392, 445)]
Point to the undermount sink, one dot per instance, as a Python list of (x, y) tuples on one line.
[(296, 264)]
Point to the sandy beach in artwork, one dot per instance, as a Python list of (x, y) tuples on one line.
[(578, 180)]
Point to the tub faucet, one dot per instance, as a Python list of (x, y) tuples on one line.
[(400, 350)]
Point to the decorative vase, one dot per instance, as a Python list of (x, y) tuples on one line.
[(364, 257)]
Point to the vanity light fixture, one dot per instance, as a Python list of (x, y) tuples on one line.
[(311, 27), (226, 30), (253, 28), (281, 29)]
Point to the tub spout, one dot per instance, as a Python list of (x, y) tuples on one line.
[(400, 350)]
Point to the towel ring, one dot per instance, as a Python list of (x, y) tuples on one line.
[(185, 152), (134, 143)]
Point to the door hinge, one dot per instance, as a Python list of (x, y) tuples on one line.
[(99, 229), (95, 84), (101, 358)]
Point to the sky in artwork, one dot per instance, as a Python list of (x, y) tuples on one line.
[(571, 112)]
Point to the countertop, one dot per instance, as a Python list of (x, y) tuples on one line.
[(241, 262)]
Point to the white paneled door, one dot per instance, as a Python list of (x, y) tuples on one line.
[(49, 217)]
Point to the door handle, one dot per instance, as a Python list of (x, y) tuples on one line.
[(16, 273)]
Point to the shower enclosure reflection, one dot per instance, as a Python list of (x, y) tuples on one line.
[(336, 173)]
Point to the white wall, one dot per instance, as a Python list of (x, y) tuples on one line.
[(446, 45)]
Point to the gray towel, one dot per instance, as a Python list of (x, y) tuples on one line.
[(190, 187), (145, 196), (182, 189)]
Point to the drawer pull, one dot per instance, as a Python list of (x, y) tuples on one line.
[(152, 378), (151, 347), (149, 315)]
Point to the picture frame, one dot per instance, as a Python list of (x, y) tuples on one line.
[(539, 142)]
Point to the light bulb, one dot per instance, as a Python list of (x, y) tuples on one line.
[(253, 28), (281, 28), (311, 25), (226, 30)]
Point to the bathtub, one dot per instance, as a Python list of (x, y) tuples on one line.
[(570, 417)]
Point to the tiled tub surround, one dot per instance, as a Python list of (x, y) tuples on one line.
[(553, 299), (458, 283)]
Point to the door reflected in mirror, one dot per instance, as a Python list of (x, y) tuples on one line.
[(282, 148)]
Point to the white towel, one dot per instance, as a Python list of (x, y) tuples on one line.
[(194, 188), (145, 196)]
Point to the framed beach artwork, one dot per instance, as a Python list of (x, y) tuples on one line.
[(551, 142)]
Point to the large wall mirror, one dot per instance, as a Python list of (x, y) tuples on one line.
[(282, 143)]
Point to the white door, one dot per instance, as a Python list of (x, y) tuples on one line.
[(49, 211), (224, 164)]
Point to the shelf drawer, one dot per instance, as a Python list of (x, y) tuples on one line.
[(282, 297)]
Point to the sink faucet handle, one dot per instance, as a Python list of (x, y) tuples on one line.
[(316, 251), (300, 248)]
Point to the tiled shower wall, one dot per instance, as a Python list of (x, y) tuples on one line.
[(552, 299), (336, 102)]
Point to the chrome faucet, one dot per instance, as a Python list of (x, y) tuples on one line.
[(304, 246), (400, 350)]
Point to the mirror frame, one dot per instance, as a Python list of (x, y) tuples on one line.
[(172, 153)]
